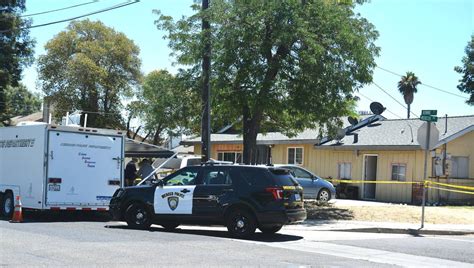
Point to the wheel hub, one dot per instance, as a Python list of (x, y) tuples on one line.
[(240, 223), (324, 196)]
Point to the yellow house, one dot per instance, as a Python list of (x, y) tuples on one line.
[(374, 149)]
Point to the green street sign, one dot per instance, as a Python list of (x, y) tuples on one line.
[(429, 112), (429, 118)]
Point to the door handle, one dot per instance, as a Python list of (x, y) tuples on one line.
[(185, 191), (228, 190)]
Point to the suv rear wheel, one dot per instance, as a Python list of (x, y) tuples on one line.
[(137, 216), (241, 223), (270, 229)]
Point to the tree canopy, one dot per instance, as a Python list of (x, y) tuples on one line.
[(20, 101), (286, 65), (90, 67), (16, 48), (466, 83), (164, 105)]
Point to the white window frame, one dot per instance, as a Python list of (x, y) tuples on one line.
[(294, 159), (231, 152), (339, 170), (398, 175)]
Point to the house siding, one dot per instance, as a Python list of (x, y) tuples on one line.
[(324, 162)]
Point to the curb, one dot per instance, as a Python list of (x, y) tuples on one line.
[(405, 231)]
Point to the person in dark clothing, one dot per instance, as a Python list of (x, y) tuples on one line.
[(130, 172)]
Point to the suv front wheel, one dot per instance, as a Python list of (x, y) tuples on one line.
[(137, 216), (240, 223)]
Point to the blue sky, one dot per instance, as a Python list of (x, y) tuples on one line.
[(427, 37)]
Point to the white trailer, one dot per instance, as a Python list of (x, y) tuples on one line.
[(59, 167)]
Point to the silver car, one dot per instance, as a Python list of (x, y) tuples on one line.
[(314, 187)]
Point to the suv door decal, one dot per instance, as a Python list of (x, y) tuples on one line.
[(174, 199)]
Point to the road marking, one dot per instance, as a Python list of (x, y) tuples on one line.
[(451, 239), (371, 255)]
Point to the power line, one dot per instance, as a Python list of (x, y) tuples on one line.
[(59, 9), (394, 98), (78, 17), (423, 84), (396, 115)]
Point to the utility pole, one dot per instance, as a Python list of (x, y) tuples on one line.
[(206, 92)]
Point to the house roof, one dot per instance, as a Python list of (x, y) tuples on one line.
[(306, 136), (399, 134), (34, 117)]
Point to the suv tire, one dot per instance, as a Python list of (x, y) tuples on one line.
[(138, 217), (241, 223), (169, 226), (270, 229)]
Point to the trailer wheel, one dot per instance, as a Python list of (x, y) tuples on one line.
[(138, 216), (7, 205)]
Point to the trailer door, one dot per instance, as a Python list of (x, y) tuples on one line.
[(84, 169)]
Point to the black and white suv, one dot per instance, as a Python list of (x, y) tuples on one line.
[(242, 198)]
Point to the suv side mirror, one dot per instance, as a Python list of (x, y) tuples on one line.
[(159, 183)]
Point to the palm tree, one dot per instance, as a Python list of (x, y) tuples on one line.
[(407, 86)]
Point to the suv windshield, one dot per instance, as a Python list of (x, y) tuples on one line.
[(283, 177)]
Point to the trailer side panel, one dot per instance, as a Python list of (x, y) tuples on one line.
[(22, 163), (83, 170)]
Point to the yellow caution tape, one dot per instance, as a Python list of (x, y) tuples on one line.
[(452, 185), (425, 183), (451, 190)]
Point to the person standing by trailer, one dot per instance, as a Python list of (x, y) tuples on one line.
[(130, 172), (145, 169)]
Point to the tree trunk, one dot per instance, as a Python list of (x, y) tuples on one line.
[(251, 127), (157, 137), (408, 110)]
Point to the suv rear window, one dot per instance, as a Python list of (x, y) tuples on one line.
[(253, 176), (283, 177)]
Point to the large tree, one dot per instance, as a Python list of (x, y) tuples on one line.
[(466, 83), (407, 87), (90, 67), (288, 64), (16, 47), (165, 105)]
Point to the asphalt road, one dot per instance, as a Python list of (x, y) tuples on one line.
[(97, 243)]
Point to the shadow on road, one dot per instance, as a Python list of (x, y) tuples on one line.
[(64, 216), (260, 237)]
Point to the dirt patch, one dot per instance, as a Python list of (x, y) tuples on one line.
[(391, 213)]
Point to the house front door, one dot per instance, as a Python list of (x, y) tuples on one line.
[(370, 174)]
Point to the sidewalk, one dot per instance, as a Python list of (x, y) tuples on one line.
[(385, 227)]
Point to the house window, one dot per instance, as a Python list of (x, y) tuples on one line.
[(460, 167), (234, 157), (295, 155), (344, 170), (399, 172)]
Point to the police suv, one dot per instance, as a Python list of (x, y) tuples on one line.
[(242, 198)]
